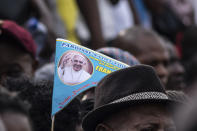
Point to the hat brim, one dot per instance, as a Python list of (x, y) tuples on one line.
[(93, 118)]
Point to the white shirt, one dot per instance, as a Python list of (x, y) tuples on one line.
[(113, 19), (71, 77)]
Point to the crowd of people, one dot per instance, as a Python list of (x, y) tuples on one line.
[(156, 38)]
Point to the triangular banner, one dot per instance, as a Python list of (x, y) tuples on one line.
[(77, 69)]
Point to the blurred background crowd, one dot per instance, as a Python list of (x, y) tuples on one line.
[(159, 33)]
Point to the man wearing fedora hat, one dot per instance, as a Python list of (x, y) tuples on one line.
[(131, 99)]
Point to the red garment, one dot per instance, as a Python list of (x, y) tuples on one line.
[(21, 35)]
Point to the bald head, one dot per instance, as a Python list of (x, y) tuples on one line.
[(138, 40), (147, 46)]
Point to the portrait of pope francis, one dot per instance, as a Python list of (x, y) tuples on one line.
[(75, 73)]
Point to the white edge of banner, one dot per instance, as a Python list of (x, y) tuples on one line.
[(60, 39)]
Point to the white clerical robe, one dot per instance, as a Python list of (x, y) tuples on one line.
[(71, 77)]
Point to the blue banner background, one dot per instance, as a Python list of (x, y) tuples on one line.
[(63, 94)]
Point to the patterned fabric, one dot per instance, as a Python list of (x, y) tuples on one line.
[(120, 55), (125, 88), (142, 96)]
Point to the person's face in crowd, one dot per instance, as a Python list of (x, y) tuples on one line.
[(176, 71), (78, 62), (2, 126), (14, 62), (148, 48), (139, 118), (153, 53), (16, 121)]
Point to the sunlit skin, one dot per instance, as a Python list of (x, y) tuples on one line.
[(139, 118)]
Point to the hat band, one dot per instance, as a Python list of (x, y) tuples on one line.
[(142, 96)]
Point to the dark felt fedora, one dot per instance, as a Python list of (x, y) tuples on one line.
[(124, 88)]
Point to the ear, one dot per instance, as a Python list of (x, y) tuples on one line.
[(102, 127)]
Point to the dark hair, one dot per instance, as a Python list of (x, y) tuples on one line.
[(191, 72), (17, 84), (69, 118), (86, 106), (39, 95)]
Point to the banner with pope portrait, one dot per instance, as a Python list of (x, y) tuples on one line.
[(77, 69)]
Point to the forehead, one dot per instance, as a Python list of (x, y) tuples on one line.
[(150, 42), (150, 115), (152, 50), (78, 57), (149, 109), (158, 56), (146, 110), (134, 117)]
